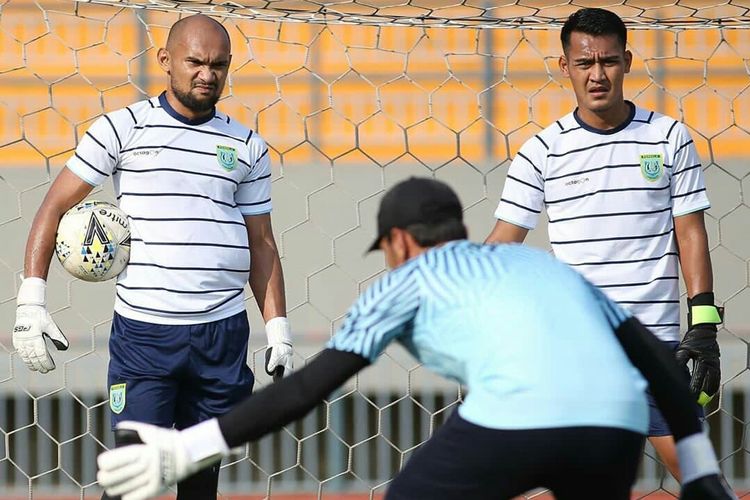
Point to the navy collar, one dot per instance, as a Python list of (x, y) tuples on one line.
[(611, 131), (182, 119)]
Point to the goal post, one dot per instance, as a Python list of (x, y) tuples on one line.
[(351, 96)]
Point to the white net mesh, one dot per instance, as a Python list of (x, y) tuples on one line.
[(457, 13), (350, 103)]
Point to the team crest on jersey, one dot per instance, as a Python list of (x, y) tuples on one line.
[(652, 166), (117, 398), (227, 157)]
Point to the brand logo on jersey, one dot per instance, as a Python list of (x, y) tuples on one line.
[(652, 166), (227, 157), (117, 398), (145, 152), (575, 182)]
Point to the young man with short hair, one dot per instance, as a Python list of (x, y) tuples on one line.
[(624, 192)]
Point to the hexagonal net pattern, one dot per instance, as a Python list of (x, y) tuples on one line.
[(350, 102), (456, 13)]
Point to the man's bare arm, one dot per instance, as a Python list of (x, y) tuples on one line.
[(695, 259), (266, 276), (67, 190), (505, 232)]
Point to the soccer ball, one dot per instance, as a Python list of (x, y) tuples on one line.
[(93, 241)]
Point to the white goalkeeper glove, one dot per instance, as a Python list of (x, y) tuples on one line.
[(699, 470), (279, 354), (33, 323), (167, 456)]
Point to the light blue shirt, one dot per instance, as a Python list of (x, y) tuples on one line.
[(530, 338)]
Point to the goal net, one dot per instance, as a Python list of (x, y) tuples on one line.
[(352, 96)]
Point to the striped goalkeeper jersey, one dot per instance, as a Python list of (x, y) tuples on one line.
[(185, 186), (611, 197), (530, 338)]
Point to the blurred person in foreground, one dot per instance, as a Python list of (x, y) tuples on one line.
[(197, 190), (556, 374)]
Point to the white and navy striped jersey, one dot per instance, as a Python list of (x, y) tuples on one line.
[(530, 338), (185, 186), (611, 197)]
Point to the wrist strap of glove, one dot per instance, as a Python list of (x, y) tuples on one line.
[(697, 457), (278, 331), (204, 442), (33, 291), (702, 311)]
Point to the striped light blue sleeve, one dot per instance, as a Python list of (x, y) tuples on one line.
[(613, 312), (382, 314)]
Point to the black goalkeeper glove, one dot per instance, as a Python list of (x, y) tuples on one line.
[(699, 344)]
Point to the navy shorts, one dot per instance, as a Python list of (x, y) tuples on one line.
[(177, 375), (464, 461), (657, 424)]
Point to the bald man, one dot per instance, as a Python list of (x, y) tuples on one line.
[(196, 186)]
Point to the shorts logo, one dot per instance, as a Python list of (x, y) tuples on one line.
[(117, 398), (227, 157), (652, 166)]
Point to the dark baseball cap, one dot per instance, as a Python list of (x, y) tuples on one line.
[(417, 200)]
